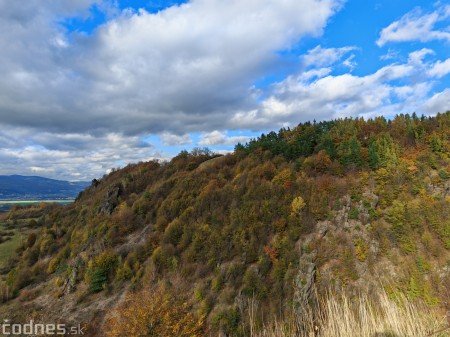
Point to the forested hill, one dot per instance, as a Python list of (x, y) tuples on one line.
[(16, 187), (347, 205)]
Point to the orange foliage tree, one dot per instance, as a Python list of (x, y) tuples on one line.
[(154, 312)]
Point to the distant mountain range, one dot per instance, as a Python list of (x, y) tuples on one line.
[(16, 187)]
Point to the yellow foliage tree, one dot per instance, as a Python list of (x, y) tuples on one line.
[(154, 312), (297, 205)]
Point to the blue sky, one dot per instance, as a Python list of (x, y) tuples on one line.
[(94, 84)]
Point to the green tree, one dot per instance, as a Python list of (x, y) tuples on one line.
[(386, 150), (374, 158), (350, 152)]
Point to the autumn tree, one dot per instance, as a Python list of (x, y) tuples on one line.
[(157, 312), (297, 205)]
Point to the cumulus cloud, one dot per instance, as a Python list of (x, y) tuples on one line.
[(417, 26), (220, 138), (439, 102), (172, 139), (71, 156), (182, 69), (316, 94)]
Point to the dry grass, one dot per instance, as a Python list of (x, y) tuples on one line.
[(360, 316)]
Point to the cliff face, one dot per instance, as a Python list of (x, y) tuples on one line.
[(343, 204)]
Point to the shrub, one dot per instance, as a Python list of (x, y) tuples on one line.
[(101, 270), (227, 320), (163, 257), (361, 249), (31, 240), (354, 213), (155, 312), (173, 232), (99, 279), (443, 174), (124, 272)]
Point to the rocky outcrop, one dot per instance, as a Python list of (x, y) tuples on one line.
[(304, 281), (111, 200), (353, 227), (70, 283)]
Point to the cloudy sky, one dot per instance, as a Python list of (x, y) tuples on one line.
[(87, 85)]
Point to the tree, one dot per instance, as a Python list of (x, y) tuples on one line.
[(100, 271), (297, 205), (155, 312), (374, 158), (350, 152), (327, 144), (386, 150), (319, 162), (99, 279)]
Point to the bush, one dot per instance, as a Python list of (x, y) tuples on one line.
[(124, 272), (228, 321), (163, 258), (31, 240), (354, 213), (99, 279), (361, 249), (155, 312), (443, 174), (101, 270), (173, 232)]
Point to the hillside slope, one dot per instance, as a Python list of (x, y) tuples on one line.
[(348, 205)]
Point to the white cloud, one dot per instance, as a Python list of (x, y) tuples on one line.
[(325, 57), (440, 69), (71, 156), (417, 26), (350, 63), (183, 69), (41, 170), (169, 139), (439, 102), (417, 57), (220, 138), (390, 55), (393, 89)]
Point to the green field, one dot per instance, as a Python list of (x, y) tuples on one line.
[(8, 248)]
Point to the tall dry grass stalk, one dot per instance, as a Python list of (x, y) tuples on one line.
[(360, 316)]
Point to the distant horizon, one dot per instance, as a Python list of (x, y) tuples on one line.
[(93, 85), (42, 176)]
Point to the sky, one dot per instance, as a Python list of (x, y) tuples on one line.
[(90, 85)]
